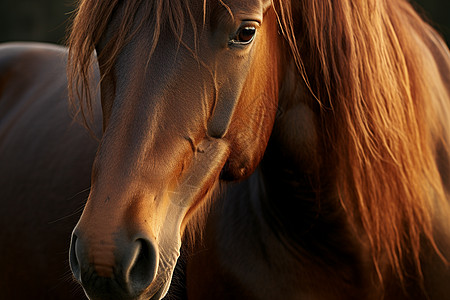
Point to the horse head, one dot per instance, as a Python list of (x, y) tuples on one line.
[(189, 95)]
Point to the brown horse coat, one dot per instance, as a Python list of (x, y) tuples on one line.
[(45, 167), (332, 118)]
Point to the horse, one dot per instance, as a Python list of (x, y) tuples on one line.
[(273, 149), (45, 165)]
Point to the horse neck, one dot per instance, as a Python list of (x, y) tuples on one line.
[(300, 205), (297, 172), (286, 221), (294, 232), (295, 200)]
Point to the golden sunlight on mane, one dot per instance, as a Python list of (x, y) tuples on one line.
[(363, 60)]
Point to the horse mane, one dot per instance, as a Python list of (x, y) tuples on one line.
[(88, 28), (384, 109)]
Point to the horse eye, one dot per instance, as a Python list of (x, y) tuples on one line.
[(244, 35)]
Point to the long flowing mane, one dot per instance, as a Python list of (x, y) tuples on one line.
[(384, 108), (384, 115)]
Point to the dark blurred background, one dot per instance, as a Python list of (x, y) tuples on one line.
[(34, 20), (46, 20)]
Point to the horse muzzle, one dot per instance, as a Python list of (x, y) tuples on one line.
[(126, 246), (126, 270)]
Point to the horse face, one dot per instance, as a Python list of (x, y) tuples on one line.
[(200, 106)]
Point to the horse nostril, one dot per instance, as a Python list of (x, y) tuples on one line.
[(73, 259), (143, 269), (133, 267)]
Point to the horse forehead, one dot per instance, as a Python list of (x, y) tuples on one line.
[(233, 6), (239, 4)]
